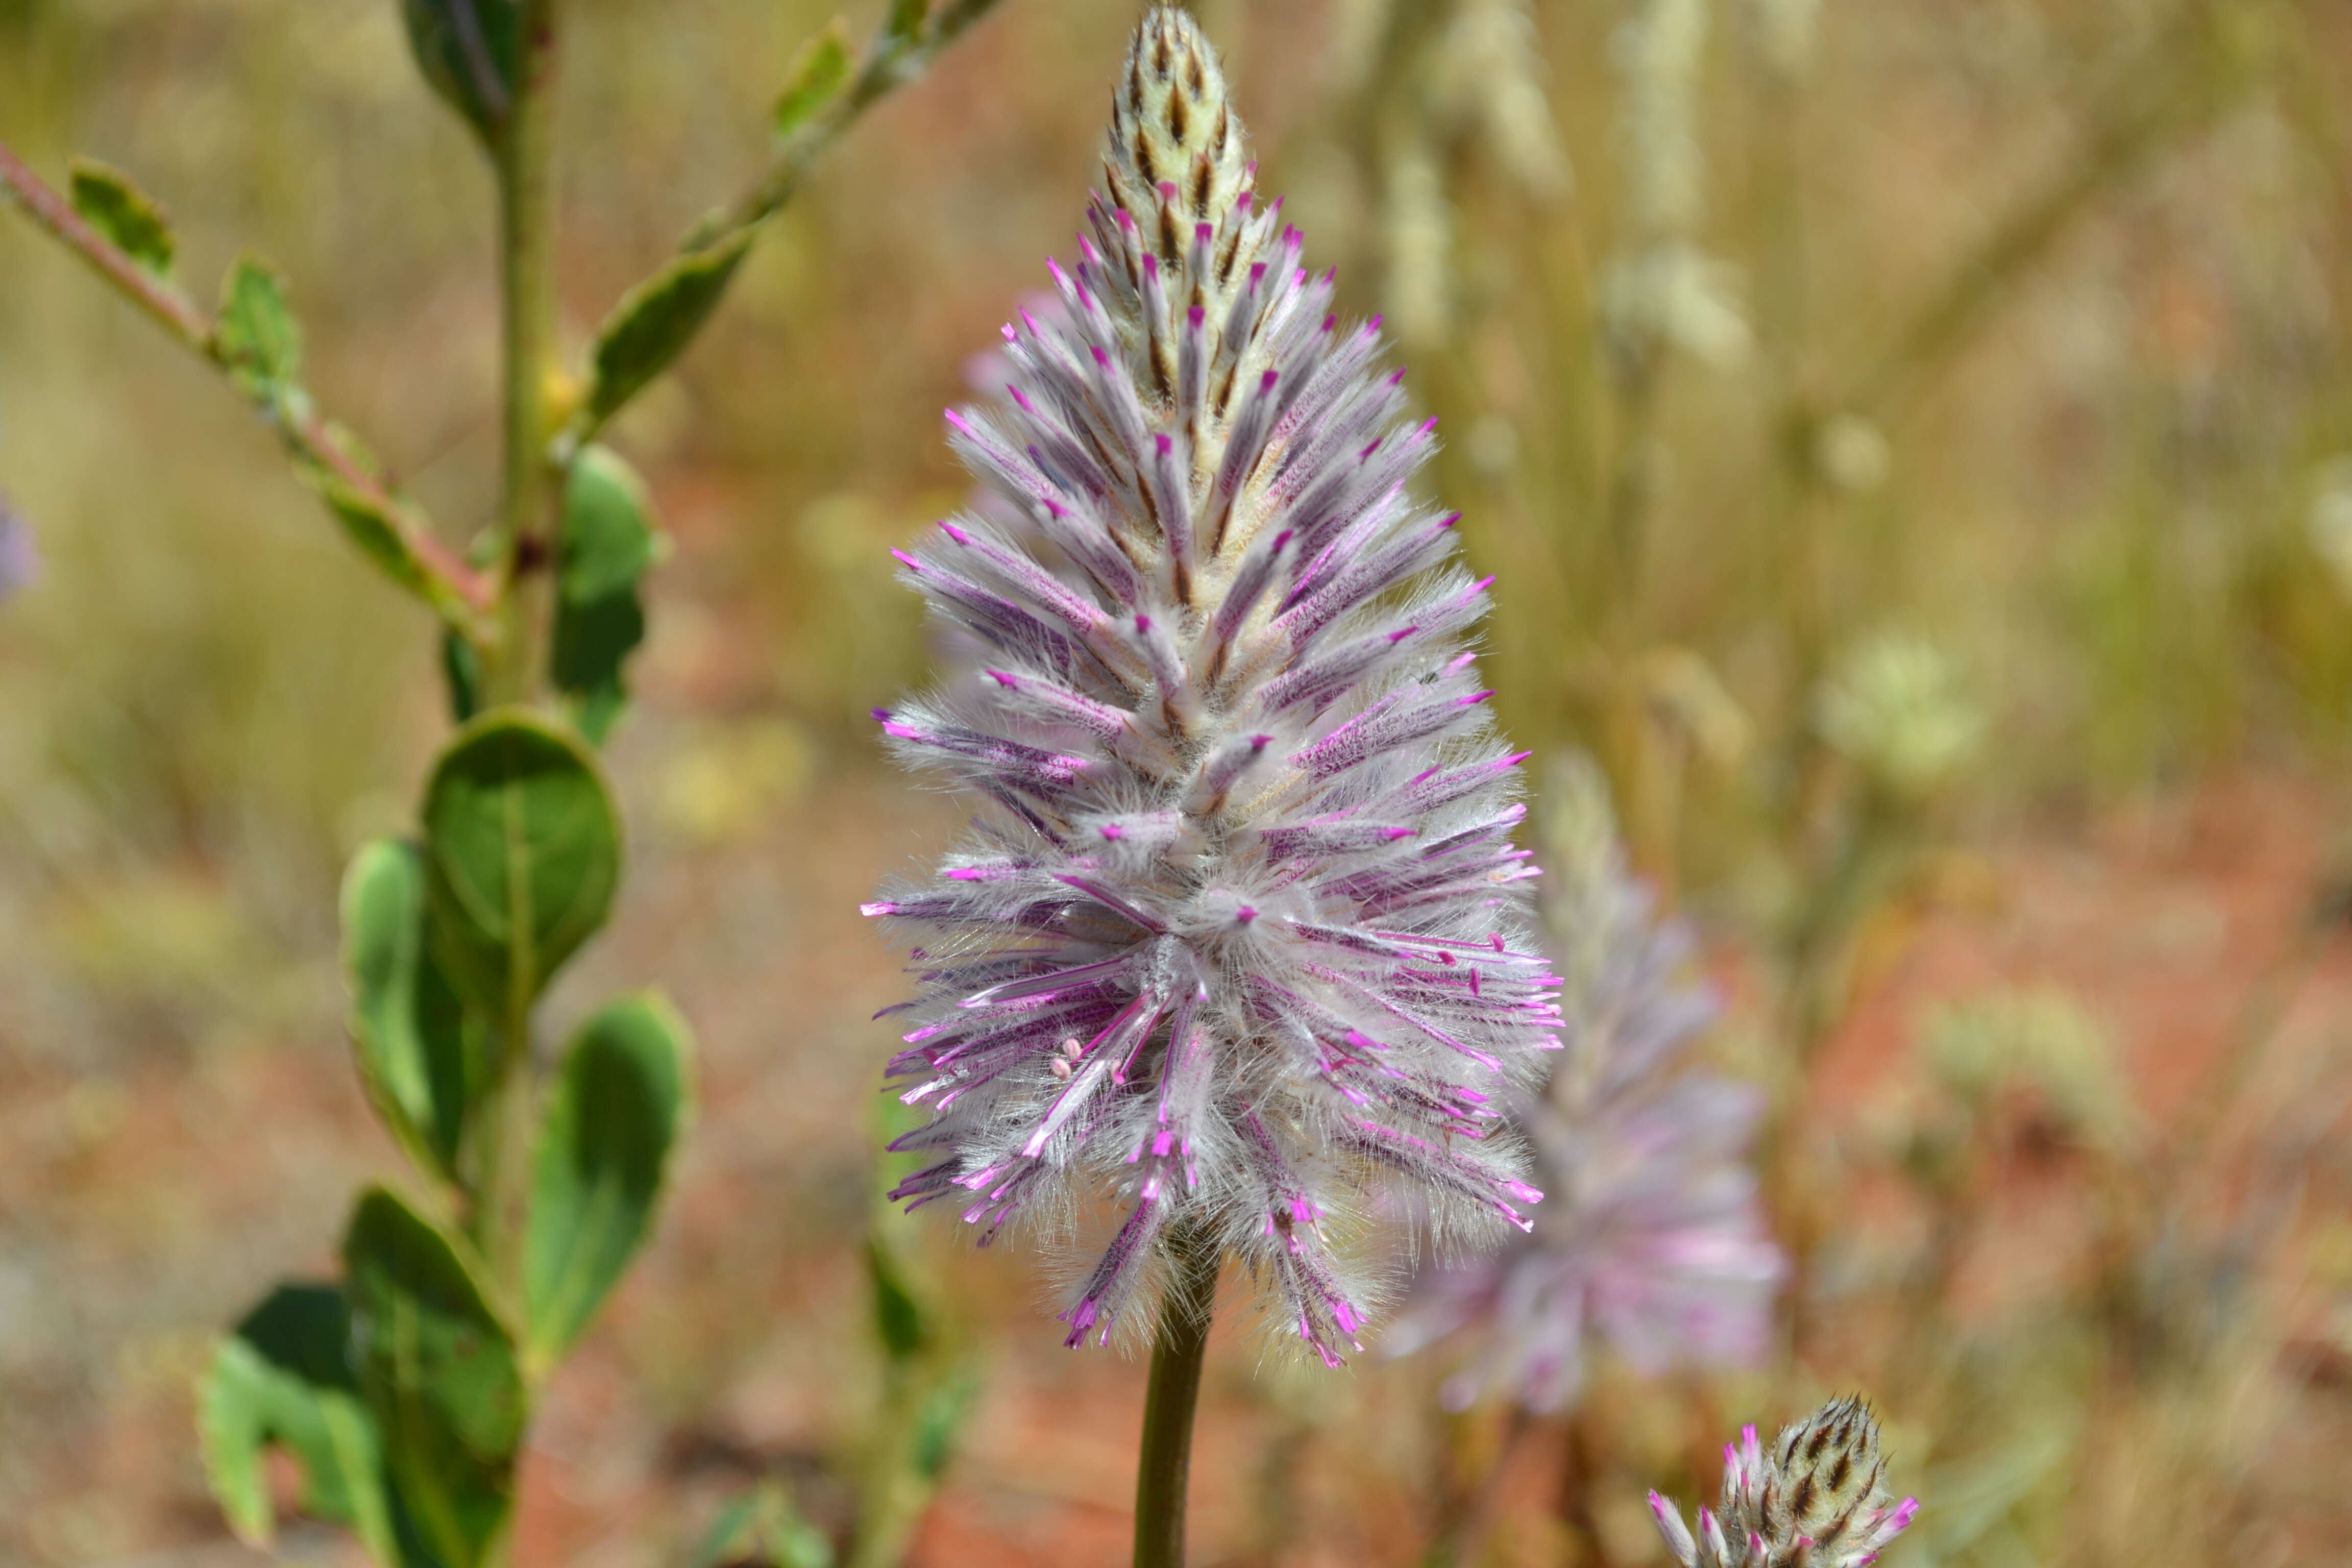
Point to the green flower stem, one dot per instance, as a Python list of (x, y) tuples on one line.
[(528, 517), (308, 434), (527, 525), (1165, 1467)]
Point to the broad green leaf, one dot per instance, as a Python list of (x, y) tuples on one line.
[(421, 1057), (468, 51), (898, 1315), (284, 1379), (111, 204), (609, 544), (816, 78), (439, 1371), (655, 321), (461, 672), (256, 338), (522, 848), (619, 1103)]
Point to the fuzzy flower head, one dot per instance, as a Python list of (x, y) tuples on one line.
[(1240, 943), (1652, 1239), (1816, 1499)]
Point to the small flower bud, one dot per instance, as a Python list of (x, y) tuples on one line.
[(1816, 1499)]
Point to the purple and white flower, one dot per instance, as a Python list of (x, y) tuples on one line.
[(1241, 943), (1654, 1239)]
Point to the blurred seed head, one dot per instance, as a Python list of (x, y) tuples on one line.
[(1490, 72), (1661, 53), (1815, 1499), (2329, 523), (1898, 708), (1419, 222), (1661, 290), (1784, 31), (1852, 453)]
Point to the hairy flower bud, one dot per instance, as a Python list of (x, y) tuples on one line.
[(1816, 1499), (1242, 943)]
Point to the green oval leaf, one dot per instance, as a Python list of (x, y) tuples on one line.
[(522, 850), (422, 1058), (655, 321), (283, 1380), (816, 78), (609, 544), (468, 50), (110, 203), (438, 1368), (618, 1108), (256, 338)]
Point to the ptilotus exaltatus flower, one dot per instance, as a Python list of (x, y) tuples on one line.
[(1652, 1240), (1241, 945), (1816, 1499)]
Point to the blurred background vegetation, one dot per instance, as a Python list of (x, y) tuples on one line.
[(1915, 440)]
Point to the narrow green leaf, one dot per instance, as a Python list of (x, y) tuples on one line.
[(619, 1104), (730, 1536), (763, 1529), (283, 1379), (439, 1371), (110, 203), (655, 321), (941, 1422), (468, 50), (906, 19), (421, 1057), (898, 1315), (609, 544), (256, 338), (461, 671), (377, 533), (816, 78), (522, 849)]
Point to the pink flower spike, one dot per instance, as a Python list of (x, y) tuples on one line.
[(1176, 461)]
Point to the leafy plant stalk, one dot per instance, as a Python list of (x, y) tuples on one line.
[(310, 437), (405, 1389)]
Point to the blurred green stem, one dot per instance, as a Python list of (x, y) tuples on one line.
[(308, 434), (1164, 1467), (2201, 61), (892, 61), (1467, 1518), (527, 269)]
